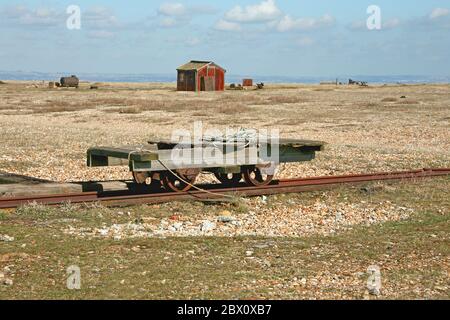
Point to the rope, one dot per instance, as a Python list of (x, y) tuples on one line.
[(193, 186), (141, 149), (138, 149), (244, 135)]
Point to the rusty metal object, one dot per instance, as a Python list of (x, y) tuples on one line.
[(359, 83), (53, 199), (180, 180), (70, 82), (141, 177), (247, 83), (147, 181), (217, 193), (255, 177)]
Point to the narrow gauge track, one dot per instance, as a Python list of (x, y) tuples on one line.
[(218, 192)]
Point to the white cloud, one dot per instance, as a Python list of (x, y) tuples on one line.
[(99, 18), (438, 13), (172, 9), (177, 14), (287, 23), (41, 17), (173, 15), (265, 11), (92, 18), (202, 9), (223, 25), (361, 25)]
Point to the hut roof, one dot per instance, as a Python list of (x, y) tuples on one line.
[(196, 65)]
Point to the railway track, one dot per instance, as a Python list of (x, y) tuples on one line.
[(217, 192)]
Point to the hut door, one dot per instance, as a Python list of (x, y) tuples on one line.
[(209, 83), (202, 84)]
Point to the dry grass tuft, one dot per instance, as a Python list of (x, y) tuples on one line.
[(372, 105), (408, 102), (274, 100), (110, 102), (323, 89), (233, 109), (130, 110), (389, 100), (57, 106)]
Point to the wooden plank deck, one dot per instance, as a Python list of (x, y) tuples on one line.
[(146, 158), (295, 143)]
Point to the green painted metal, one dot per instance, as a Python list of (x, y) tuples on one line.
[(106, 156), (146, 159)]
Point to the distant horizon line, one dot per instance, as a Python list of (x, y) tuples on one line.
[(20, 75), (230, 74)]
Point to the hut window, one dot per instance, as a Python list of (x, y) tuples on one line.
[(181, 76)]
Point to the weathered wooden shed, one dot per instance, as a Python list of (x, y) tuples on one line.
[(201, 76)]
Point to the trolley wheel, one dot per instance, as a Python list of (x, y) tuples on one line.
[(254, 177), (145, 180), (174, 183), (229, 179)]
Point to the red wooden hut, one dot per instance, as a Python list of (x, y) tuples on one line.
[(201, 76)]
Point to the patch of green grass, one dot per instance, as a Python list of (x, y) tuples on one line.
[(5, 181), (412, 254), (212, 268)]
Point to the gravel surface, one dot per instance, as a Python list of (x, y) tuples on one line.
[(46, 132), (279, 219)]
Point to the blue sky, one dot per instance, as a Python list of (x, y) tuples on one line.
[(253, 37)]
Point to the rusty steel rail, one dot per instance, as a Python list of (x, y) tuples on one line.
[(51, 199), (216, 192)]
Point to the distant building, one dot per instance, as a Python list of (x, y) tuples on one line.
[(247, 83), (201, 76)]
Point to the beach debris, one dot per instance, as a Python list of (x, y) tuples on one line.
[(247, 83), (358, 83), (5, 280), (333, 82), (53, 84), (70, 82), (207, 226), (8, 282), (95, 86), (225, 219), (234, 86), (6, 238)]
